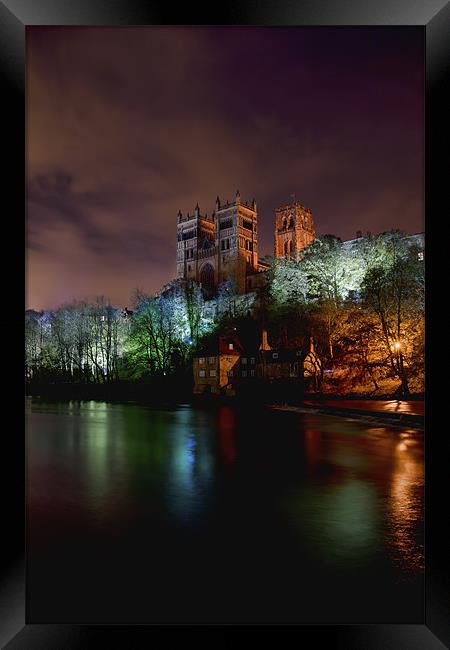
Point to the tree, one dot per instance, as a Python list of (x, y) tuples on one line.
[(394, 294)]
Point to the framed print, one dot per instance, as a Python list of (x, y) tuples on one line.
[(232, 400)]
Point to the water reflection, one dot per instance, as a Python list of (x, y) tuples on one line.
[(227, 434), (255, 487), (405, 511), (189, 467)]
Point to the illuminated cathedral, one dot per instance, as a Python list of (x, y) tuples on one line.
[(223, 247)]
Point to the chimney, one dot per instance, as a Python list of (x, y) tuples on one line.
[(264, 342)]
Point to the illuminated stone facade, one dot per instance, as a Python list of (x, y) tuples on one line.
[(223, 247), (294, 230), (220, 248)]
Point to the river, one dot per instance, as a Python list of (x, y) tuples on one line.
[(220, 514)]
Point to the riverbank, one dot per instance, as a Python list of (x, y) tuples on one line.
[(160, 392), (392, 418), (169, 392)]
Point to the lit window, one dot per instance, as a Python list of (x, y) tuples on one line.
[(252, 360), (420, 256), (202, 373), (275, 355), (201, 360), (230, 346), (244, 359), (230, 373), (244, 373), (212, 373)]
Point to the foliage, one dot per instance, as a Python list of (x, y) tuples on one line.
[(345, 304)]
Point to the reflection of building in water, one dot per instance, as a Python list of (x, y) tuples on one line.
[(406, 504), (227, 434)]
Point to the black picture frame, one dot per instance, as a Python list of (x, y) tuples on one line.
[(15, 16)]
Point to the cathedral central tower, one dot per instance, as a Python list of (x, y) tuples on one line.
[(294, 230)]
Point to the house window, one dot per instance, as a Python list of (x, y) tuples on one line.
[(202, 373), (230, 373), (212, 373), (420, 256), (244, 359), (212, 359), (275, 355), (229, 359), (252, 373), (293, 369), (252, 360), (230, 346), (244, 373), (201, 360)]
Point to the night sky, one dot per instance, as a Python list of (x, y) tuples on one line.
[(128, 125)]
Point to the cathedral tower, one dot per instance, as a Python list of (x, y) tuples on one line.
[(236, 241), (294, 230), (195, 247), (219, 248)]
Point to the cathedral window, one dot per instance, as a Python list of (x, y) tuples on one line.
[(226, 223)]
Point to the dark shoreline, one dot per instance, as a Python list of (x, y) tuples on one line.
[(168, 394)]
